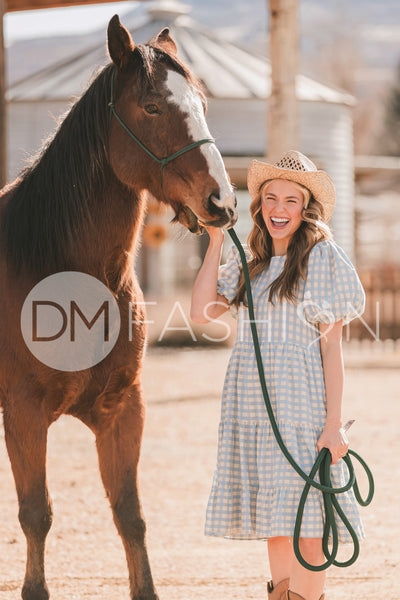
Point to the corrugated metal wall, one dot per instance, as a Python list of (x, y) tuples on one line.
[(29, 125), (327, 136)]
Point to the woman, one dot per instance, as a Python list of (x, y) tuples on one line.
[(305, 289)]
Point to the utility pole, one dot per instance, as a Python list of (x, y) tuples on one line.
[(3, 115), (283, 118)]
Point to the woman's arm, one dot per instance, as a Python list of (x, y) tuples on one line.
[(333, 436), (205, 285)]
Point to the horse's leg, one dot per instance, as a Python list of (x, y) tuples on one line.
[(25, 429), (118, 428)]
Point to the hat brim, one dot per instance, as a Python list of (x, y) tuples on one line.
[(319, 183)]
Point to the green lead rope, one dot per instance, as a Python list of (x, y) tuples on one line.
[(322, 465)]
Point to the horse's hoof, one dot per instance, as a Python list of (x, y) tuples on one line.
[(35, 592)]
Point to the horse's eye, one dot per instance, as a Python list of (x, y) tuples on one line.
[(152, 109)]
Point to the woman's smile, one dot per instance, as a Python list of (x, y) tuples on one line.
[(279, 222)]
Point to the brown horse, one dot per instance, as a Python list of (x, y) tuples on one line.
[(79, 208)]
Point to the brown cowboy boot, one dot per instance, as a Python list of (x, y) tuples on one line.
[(293, 596), (279, 591)]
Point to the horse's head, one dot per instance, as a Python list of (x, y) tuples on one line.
[(159, 110)]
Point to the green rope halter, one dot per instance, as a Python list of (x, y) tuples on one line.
[(162, 161), (322, 464)]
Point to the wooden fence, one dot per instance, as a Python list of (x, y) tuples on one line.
[(381, 319)]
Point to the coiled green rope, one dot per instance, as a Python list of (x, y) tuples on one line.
[(322, 464)]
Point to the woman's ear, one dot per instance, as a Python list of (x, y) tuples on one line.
[(120, 43)]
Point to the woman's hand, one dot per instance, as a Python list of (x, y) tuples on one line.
[(334, 438), (217, 235)]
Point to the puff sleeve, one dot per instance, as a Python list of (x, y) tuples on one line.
[(228, 276), (333, 290)]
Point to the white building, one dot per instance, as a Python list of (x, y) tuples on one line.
[(237, 84)]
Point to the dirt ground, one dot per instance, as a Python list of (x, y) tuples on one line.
[(84, 553)]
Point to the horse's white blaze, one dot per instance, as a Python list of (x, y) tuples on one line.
[(183, 94)]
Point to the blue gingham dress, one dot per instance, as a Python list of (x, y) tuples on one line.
[(255, 491)]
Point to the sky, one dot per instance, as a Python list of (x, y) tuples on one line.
[(39, 23)]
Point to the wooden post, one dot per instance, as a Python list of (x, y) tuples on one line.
[(3, 113), (283, 121)]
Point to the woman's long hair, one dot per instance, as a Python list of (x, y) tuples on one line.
[(311, 231)]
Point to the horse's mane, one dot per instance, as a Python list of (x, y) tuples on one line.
[(49, 207)]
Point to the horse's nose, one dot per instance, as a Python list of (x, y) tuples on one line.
[(222, 211)]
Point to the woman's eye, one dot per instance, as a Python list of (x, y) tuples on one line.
[(152, 109)]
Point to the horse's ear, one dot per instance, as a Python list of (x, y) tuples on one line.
[(120, 43), (164, 41)]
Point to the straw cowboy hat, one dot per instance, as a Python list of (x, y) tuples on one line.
[(294, 166)]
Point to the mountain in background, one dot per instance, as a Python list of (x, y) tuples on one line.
[(368, 28)]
